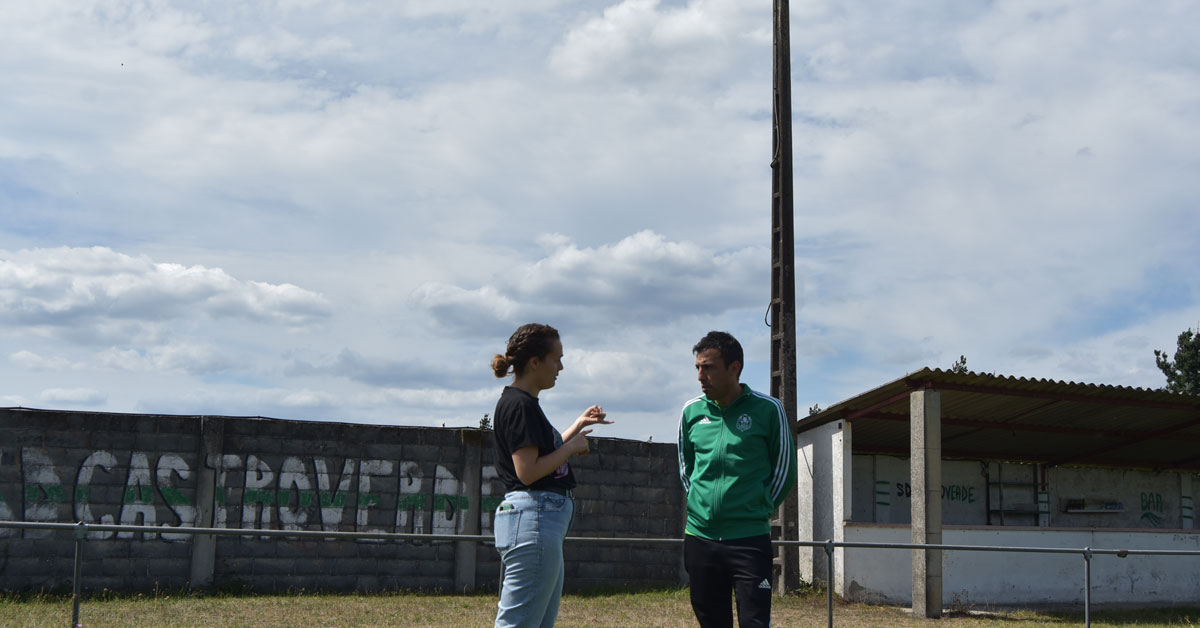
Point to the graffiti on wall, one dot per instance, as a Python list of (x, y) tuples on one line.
[(1153, 509), (950, 492), (882, 494), (299, 493)]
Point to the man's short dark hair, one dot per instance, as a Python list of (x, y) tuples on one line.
[(725, 344)]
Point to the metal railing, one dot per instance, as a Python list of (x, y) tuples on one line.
[(81, 531), (1085, 552)]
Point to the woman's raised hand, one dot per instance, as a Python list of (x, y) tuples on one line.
[(593, 416)]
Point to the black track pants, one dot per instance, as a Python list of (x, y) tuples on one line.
[(717, 567)]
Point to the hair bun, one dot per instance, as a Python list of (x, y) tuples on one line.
[(501, 364)]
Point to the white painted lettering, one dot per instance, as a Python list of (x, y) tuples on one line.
[(138, 507), (104, 461), (333, 502), (180, 505)]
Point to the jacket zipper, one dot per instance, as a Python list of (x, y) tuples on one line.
[(721, 457)]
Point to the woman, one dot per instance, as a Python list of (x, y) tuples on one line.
[(531, 460)]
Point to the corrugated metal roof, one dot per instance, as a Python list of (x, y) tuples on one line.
[(998, 417)]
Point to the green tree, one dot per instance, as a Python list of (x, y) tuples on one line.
[(960, 366), (486, 422), (1183, 373)]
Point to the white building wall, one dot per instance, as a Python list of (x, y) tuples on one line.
[(1134, 498), (806, 492), (882, 492), (825, 498), (1009, 578)]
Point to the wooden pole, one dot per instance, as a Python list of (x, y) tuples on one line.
[(783, 277)]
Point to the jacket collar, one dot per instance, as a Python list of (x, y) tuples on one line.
[(746, 392)]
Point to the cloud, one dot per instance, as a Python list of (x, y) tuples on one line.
[(643, 279), (73, 396), (34, 362), (646, 46), (270, 50), (331, 210), (193, 359), (429, 399), (420, 405), (99, 288), (409, 372), (483, 311), (628, 381), (299, 402)]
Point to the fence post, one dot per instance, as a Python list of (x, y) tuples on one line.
[(76, 581), (465, 551), (1087, 587), (204, 546), (829, 581)]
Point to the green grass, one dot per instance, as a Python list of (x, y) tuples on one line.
[(665, 609)]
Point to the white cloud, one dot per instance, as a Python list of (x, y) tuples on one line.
[(270, 50), (73, 396), (427, 399), (283, 196), (389, 372), (74, 286), (481, 310), (276, 402), (647, 46), (642, 279), (193, 359), (32, 361), (629, 381)]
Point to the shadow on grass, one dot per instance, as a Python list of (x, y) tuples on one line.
[(1110, 616), (1106, 615), (1127, 615)]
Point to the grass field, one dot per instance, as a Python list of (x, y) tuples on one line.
[(666, 609)]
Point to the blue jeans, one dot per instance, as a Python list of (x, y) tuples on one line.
[(530, 527)]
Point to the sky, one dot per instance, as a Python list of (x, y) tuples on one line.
[(339, 211)]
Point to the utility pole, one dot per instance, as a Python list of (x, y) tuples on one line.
[(783, 281)]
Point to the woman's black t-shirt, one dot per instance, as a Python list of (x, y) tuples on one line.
[(519, 422)]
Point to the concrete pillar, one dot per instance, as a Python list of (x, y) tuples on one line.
[(823, 496), (823, 492), (842, 459), (204, 546), (925, 467), (806, 492), (465, 551), (1186, 520)]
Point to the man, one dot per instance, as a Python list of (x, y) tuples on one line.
[(737, 463)]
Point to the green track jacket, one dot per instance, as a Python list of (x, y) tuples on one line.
[(737, 464)]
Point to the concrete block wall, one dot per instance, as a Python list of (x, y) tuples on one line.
[(626, 489), (102, 469), (255, 473)]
